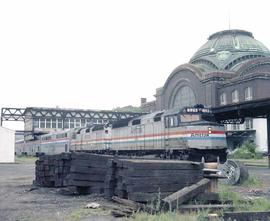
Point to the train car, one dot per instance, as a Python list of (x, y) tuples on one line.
[(53, 143), (189, 133), (92, 138), (27, 148)]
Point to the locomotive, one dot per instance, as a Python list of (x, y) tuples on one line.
[(190, 133)]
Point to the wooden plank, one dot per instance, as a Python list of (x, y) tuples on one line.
[(121, 212), (84, 183), (65, 156), (185, 179), (88, 170), (246, 216), (126, 202), (95, 177), (159, 164), (85, 163), (169, 187), (210, 207), (186, 193), (134, 205), (159, 173), (147, 197), (94, 165)]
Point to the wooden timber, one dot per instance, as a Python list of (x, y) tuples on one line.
[(246, 216), (185, 194)]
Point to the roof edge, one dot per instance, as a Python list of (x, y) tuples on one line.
[(233, 31)]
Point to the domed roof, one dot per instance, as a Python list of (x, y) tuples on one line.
[(226, 50)]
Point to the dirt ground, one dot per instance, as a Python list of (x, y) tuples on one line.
[(19, 201), (261, 188)]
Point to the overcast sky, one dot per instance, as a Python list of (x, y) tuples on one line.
[(106, 54)]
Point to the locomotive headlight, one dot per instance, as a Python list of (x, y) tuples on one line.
[(209, 130)]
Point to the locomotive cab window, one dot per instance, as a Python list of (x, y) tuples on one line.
[(136, 122), (157, 118), (171, 121)]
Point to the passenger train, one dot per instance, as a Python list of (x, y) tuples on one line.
[(190, 133)]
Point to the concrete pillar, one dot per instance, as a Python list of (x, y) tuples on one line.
[(268, 139)]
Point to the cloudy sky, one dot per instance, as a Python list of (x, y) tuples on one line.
[(104, 54)]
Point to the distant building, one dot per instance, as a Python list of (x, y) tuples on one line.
[(7, 142), (230, 67)]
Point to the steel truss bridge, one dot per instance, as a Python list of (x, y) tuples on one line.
[(32, 113), (21, 114)]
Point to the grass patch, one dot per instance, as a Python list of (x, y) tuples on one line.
[(259, 204), (254, 162), (252, 182), (170, 216), (78, 214), (242, 204), (226, 194), (246, 151), (245, 154), (25, 159)]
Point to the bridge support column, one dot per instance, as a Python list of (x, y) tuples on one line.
[(268, 139)]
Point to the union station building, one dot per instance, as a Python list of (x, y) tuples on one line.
[(231, 67)]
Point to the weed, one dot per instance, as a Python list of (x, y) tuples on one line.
[(246, 151), (170, 216), (80, 213), (252, 182), (259, 204), (226, 195)]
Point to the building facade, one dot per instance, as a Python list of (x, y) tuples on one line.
[(7, 145), (231, 67)]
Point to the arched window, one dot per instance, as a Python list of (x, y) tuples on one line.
[(235, 96), (184, 97), (248, 94)]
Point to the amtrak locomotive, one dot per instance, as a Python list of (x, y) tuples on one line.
[(190, 133)]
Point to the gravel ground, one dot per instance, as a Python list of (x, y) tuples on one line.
[(20, 202), (262, 187)]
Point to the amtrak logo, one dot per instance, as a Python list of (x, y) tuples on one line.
[(199, 135)]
